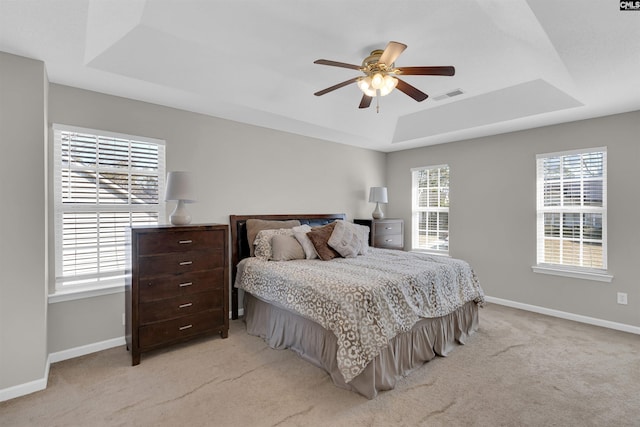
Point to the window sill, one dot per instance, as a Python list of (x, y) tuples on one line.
[(428, 252), (600, 276), (86, 292)]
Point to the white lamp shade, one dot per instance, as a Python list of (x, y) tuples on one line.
[(378, 195), (179, 187)]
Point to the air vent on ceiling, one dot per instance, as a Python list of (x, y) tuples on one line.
[(450, 94)]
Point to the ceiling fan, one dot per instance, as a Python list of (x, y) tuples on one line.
[(380, 75)]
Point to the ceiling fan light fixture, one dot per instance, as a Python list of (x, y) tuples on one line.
[(377, 81), (385, 84), (389, 84), (365, 86)]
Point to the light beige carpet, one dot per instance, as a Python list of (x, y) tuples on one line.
[(520, 369)]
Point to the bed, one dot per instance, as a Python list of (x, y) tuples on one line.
[(367, 320)]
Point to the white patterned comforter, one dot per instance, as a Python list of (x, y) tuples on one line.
[(367, 300)]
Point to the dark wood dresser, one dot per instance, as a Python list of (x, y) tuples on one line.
[(384, 233), (177, 286)]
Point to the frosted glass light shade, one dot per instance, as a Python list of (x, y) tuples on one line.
[(371, 85), (180, 188)]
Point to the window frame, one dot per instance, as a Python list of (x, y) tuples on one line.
[(416, 210), (562, 209), (99, 283)]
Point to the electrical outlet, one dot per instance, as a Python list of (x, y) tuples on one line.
[(622, 298)]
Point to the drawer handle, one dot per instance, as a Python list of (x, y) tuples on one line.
[(388, 228), (389, 240), (182, 285), (186, 263), (182, 328), (185, 242), (189, 304)]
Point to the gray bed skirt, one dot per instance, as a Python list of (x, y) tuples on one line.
[(283, 329)]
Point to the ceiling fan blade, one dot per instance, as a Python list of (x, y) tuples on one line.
[(365, 101), (338, 86), (426, 71), (391, 52), (336, 64), (413, 92)]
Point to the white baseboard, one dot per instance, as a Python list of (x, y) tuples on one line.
[(85, 349), (26, 388), (564, 315)]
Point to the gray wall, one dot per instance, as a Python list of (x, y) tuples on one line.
[(240, 169), (23, 290), (493, 212)]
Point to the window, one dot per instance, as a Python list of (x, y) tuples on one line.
[(103, 183), (430, 212), (572, 209)]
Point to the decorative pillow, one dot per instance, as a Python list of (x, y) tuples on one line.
[(263, 241), (319, 236), (254, 226), (306, 243), (345, 239), (304, 228), (363, 232), (285, 248)]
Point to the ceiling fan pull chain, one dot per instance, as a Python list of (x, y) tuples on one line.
[(377, 101)]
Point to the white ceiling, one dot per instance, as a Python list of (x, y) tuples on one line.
[(520, 64)]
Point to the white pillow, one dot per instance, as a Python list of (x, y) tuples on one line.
[(304, 228), (300, 233), (363, 233), (345, 239), (263, 241)]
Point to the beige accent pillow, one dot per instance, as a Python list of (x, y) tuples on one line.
[(286, 248), (263, 247), (345, 239), (319, 236), (254, 226)]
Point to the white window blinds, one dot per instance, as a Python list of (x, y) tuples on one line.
[(430, 200), (572, 209), (103, 183)]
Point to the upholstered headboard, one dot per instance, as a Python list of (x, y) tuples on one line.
[(240, 244)]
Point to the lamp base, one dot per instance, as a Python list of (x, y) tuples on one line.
[(180, 216), (377, 212)]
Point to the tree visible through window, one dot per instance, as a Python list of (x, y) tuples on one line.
[(104, 183), (572, 209), (430, 195)]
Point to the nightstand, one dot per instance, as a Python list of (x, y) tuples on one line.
[(385, 233), (177, 286)]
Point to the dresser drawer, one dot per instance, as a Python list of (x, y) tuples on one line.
[(180, 241), (182, 327), (387, 227), (161, 287), (179, 306), (388, 241), (177, 263)]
